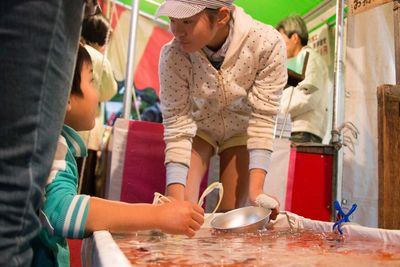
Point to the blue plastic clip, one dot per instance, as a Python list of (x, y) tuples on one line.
[(344, 217)]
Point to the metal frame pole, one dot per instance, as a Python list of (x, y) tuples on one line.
[(338, 105), (129, 65)]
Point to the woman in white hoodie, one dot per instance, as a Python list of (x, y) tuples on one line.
[(221, 81)]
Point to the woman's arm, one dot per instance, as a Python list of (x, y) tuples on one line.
[(264, 96), (179, 126)]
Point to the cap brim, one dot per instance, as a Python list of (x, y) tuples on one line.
[(178, 10)]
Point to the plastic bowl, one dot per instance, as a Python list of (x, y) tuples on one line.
[(242, 220)]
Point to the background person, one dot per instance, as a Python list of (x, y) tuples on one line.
[(306, 102), (221, 80), (96, 32), (38, 44)]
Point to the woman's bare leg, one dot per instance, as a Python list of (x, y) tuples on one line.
[(234, 175), (201, 154)]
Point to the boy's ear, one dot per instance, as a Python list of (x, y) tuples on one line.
[(69, 106)]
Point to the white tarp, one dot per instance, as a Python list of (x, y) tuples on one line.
[(370, 62)]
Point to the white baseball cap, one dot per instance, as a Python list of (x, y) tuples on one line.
[(180, 9)]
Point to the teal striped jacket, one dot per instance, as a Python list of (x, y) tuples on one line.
[(64, 212)]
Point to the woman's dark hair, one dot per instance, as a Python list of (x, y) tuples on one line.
[(95, 29), (212, 14), (83, 57)]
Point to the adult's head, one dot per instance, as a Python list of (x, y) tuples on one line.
[(95, 31), (198, 23), (294, 31), (92, 7)]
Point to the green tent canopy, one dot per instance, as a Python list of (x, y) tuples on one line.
[(266, 11)]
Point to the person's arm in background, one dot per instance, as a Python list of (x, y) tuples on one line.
[(309, 92), (264, 99), (179, 126)]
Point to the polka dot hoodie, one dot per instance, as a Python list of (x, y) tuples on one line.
[(242, 96)]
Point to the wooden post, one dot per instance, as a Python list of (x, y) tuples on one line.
[(396, 21), (389, 156)]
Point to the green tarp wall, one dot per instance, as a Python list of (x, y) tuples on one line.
[(267, 11)]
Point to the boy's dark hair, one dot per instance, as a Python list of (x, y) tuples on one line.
[(95, 29), (82, 57)]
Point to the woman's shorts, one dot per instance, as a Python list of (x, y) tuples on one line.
[(219, 147)]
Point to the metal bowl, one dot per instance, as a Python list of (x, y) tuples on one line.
[(242, 220)]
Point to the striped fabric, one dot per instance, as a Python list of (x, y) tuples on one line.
[(64, 212), (73, 226), (187, 8)]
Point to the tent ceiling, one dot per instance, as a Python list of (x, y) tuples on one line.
[(271, 12), (267, 11)]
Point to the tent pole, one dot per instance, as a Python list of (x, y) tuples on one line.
[(129, 65), (338, 105)]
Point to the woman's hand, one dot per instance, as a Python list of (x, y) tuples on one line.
[(257, 195), (175, 192), (268, 202)]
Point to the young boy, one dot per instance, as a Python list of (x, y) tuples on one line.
[(65, 214)]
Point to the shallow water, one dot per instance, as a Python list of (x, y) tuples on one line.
[(266, 248)]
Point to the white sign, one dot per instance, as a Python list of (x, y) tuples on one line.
[(357, 6), (320, 41)]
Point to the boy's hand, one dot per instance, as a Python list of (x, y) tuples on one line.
[(180, 217)]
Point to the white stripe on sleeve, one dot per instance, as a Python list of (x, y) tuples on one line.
[(68, 217), (79, 217)]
